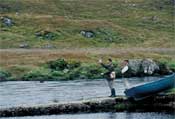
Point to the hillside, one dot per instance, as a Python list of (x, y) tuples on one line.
[(110, 23)]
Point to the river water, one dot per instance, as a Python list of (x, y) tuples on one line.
[(23, 93), (123, 115)]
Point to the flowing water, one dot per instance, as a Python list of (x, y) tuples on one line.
[(18, 93), (123, 115)]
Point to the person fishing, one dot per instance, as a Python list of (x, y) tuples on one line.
[(124, 71), (109, 75)]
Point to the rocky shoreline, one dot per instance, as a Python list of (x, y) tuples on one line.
[(117, 104)]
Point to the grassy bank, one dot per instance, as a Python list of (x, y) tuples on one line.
[(79, 64), (122, 29), (115, 23), (171, 91)]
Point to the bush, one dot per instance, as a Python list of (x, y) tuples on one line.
[(74, 64), (73, 74), (91, 71), (63, 70), (59, 64), (59, 75), (77, 71), (163, 68), (38, 75), (74, 70), (172, 66), (46, 35), (4, 75), (62, 64)]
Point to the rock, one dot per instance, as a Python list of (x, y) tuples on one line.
[(87, 34), (143, 67), (7, 21), (38, 34), (145, 18), (117, 104), (109, 39), (135, 66), (17, 13), (49, 36), (24, 45), (48, 46), (132, 5), (173, 2), (4, 8), (148, 66), (154, 18), (45, 35)]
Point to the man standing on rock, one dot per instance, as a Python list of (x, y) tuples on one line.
[(109, 75)]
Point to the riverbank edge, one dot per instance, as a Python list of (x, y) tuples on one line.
[(159, 103), (9, 78), (42, 81), (39, 65)]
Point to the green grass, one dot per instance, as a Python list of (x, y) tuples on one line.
[(170, 63), (62, 69), (127, 23), (4, 75), (132, 24), (171, 91)]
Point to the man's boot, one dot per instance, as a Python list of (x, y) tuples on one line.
[(112, 93)]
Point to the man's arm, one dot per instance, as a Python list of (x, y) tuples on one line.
[(105, 66)]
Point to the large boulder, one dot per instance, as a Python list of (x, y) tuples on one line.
[(148, 66), (134, 66), (143, 67)]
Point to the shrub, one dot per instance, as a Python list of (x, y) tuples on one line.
[(58, 75), (74, 64), (172, 66), (91, 71), (38, 75), (63, 70), (163, 68), (73, 74), (62, 64), (59, 64), (4, 75)]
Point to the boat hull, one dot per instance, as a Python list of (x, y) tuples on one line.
[(148, 89)]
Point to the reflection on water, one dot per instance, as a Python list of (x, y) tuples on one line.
[(103, 116), (26, 93)]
